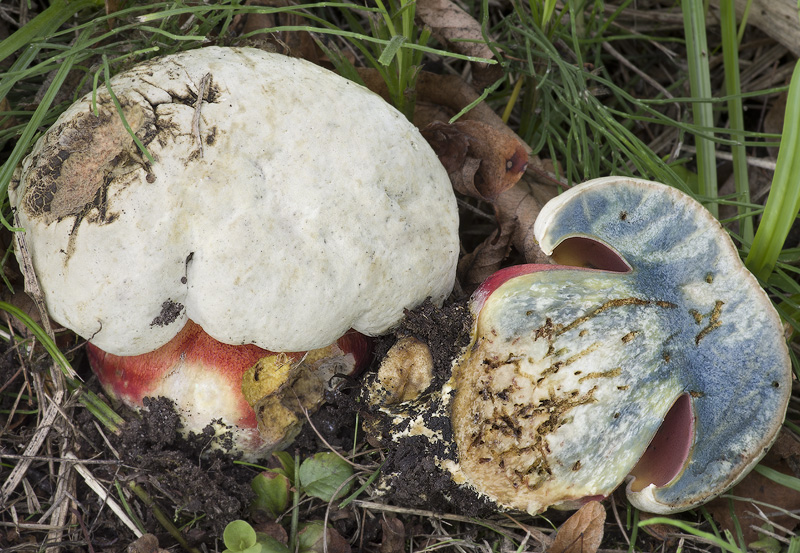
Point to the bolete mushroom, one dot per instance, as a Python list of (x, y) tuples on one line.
[(653, 356), (284, 206), (252, 399)]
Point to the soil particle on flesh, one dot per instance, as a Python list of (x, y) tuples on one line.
[(170, 311), (412, 475), (444, 330)]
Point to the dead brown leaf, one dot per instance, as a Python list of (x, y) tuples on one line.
[(482, 161), (582, 532), (516, 210), (272, 529), (148, 543), (783, 456), (449, 93), (393, 539), (666, 533), (451, 24)]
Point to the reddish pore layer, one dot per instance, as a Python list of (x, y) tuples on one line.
[(669, 449)]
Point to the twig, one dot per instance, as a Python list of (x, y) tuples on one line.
[(754, 161), (619, 521), (102, 493), (432, 515), (48, 459), (62, 504), (535, 533), (201, 93), (36, 442)]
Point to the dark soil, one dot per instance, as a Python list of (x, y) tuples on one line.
[(176, 473), (411, 474), (186, 480)]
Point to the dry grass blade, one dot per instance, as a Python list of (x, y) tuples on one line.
[(102, 493), (18, 472)]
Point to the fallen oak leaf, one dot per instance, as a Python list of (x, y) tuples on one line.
[(482, 161), (582, 532)]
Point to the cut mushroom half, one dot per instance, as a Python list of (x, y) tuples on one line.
[(663, 362), (648, 354)]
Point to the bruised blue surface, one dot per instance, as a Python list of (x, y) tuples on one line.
[(723, 341)]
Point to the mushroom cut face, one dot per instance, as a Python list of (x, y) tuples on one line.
[(284, 205), (666, 366)]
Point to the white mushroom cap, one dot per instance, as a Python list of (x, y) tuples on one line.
[(312, 207)]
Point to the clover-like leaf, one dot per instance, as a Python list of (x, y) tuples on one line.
[(239, 536), (655, 356), (324, 474), (272, 492)]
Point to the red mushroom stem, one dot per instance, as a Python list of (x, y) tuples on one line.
[(204, 378)]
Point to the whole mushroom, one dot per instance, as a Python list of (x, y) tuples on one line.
[(284, 206), (648, 354)]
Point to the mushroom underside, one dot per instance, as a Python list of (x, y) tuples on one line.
[(649, 353)]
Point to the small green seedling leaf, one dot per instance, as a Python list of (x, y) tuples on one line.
[(271, 545), (766, 543), (310, 536), (272, 492), (323, 474), (287, 465), (239, 537)]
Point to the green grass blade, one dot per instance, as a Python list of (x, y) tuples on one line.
[(44, 24), (702, 109), (689, 529), (783, 201), (730, 51), (391, 49), (786, 480), (40, 335)]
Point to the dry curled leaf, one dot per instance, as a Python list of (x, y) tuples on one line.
[(451, 24), (516, 210), (582, 532), (482, 161)]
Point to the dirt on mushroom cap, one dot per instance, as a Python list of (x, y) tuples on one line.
[(282, 170)]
